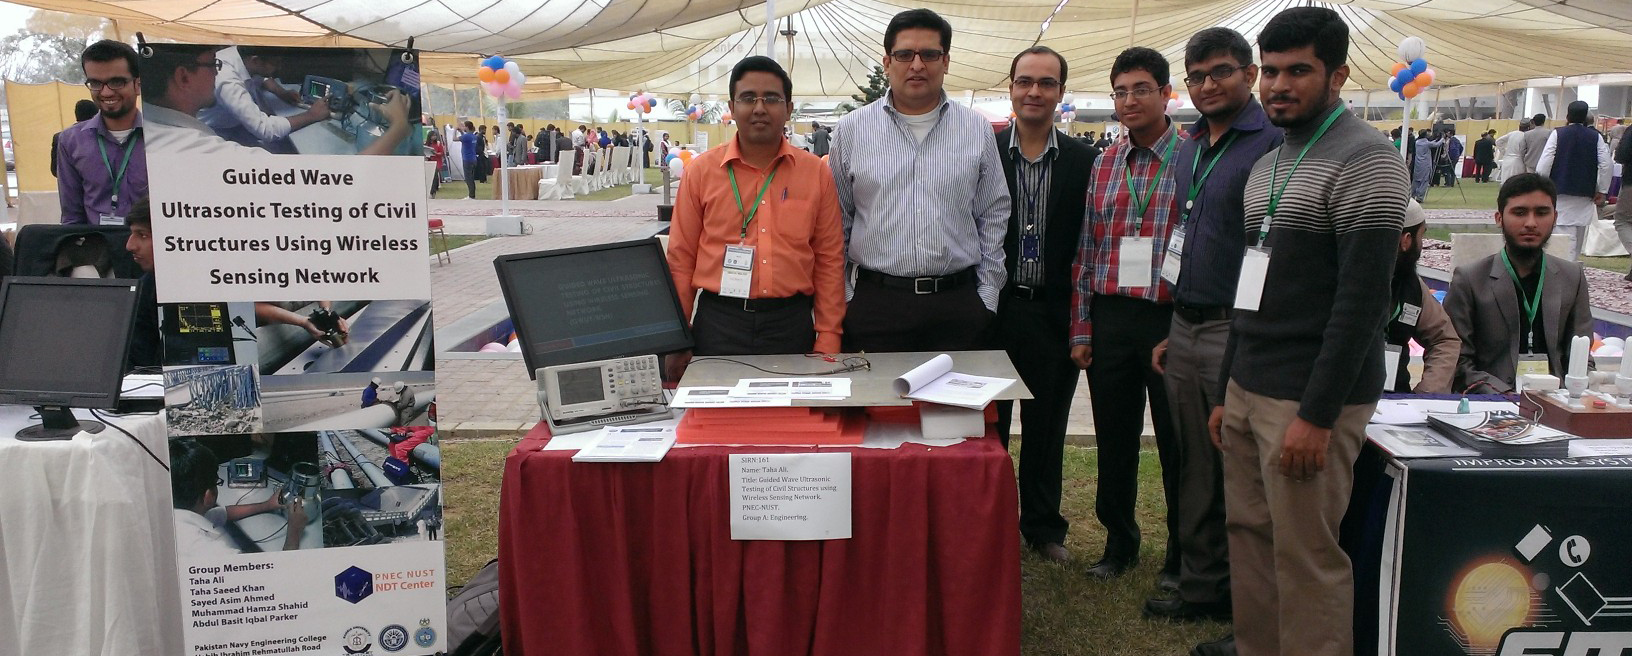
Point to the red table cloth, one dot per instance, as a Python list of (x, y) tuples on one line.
[(609, 559)]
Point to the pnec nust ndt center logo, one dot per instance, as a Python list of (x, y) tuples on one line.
[(354, 584), (1556, 600)]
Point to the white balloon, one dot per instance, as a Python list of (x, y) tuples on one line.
[(1411, 49), (1068, 99), (676, 168), (512, 66), (695, 99)]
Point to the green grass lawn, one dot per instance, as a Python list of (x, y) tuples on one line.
[(484, 190), (1480, 196), (1063, 612)]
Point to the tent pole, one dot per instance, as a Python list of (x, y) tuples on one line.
[(1560, 99), (1133, 24), (1368, 105), (770, 31)]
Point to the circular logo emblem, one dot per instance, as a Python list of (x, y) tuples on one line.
[(394, 637), (425, 636), (1574, 551), (356, 640)]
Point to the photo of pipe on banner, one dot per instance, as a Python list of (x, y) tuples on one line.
[(262, 227)]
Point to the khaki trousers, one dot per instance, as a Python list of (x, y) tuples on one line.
[(1292, 586)]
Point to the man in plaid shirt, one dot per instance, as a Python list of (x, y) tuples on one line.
[(1122, 306)]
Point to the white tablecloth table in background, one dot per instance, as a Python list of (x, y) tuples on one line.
[(87, 542)]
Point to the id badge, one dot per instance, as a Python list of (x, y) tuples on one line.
[(1531, 363), (1030, 247), (110, 219), (1249, 288), (1391, 361), (1133, 261), (1409, 314), (1174, 257), (737, 274)]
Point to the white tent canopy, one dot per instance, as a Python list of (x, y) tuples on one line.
[(687, 46)]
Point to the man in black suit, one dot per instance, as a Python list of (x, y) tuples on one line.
[(1047, 172)]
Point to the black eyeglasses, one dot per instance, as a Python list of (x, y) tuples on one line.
[(116, 84), (1219, 73), (1139, 93), (214, 63), (1046, 84), (929, 56), (769, 99)]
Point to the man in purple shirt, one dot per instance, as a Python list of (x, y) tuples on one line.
[(101, 168)]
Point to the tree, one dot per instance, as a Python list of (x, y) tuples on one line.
[(48, 47), (877, 85)]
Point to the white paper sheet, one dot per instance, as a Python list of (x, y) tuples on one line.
[(722, 397), (628, 444), (805, 496), (794, 388), (1595, 448), (935, 382)]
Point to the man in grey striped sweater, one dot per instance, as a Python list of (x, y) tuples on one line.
[(1304, 366)]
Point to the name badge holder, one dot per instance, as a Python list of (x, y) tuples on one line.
[(1249, 290), (1136, 254), (737, 272), (1391, 365), (1174, 258)]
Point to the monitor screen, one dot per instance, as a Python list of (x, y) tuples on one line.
[(63, 340), (592, 303)]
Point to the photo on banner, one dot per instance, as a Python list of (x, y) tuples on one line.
[(291, 268)]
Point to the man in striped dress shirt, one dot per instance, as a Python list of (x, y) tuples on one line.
[(924, 204), (1122, 307)]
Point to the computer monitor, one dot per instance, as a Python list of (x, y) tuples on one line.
[(592, 303), (63, 343)]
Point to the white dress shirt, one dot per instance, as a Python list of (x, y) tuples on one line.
[(236, 92)]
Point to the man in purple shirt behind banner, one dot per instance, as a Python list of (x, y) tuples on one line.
[(102, 169)]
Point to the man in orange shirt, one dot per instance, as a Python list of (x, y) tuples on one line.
[(756, 238)]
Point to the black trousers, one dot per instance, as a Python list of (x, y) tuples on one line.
[(722, 327), (470, 178), (1036, 334), (889, 319), (1482, 170), (1120, 380)]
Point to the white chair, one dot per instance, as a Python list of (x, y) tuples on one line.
[(560, 186), (604, 176), (628, 163), (581, 184)]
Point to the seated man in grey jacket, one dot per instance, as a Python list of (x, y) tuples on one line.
[(1517, 310)]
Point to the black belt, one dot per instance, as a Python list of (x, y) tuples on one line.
[(757, 304), (1027, 293), (1201, 314), (920, 284)]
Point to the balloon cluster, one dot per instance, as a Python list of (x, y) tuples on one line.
[(642, 102), (501, 78), (677, 161), (1411, 73), (1174, 102), (1068, 108), (694, 112), (725, 117)]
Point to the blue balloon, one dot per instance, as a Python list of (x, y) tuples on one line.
[(651, 102), (1418, 66), (1405, 76), (1395, 85), (1402, 96), (671, 157)]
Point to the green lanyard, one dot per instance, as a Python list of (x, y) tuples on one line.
[(1531, 305), (130, 147), (748, 214), (1156, 181), (1195, 182), (1274, 193)]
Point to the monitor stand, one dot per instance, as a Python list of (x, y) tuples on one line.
[(57, 423)]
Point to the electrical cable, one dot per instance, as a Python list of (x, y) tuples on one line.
[(108, 422), (849, 363)]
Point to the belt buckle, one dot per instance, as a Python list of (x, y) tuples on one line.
[(1025, 292), (747, 305), (918, 285)]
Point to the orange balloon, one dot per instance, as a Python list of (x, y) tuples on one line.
[(685, 156), (629, 105), (484, 74), (1411, 89), (1423, 80), (646, 109), (1398, 66), (501, 76)]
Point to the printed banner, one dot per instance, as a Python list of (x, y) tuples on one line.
[(1542, 571), (292, 271)]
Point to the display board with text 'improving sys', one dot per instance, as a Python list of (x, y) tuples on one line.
[(592, 303)]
